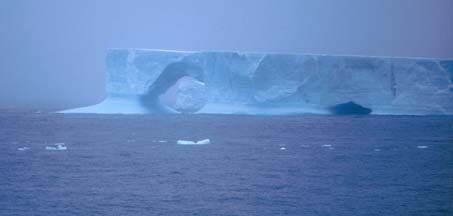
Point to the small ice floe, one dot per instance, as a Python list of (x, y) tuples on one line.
[(282, 148), (422, 147), (327, 146), (57, 147), (23, 149), (377, 150), (189, 142)]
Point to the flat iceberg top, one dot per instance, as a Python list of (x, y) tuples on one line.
[(261, 83)]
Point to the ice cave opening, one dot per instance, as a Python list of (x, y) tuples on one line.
[(349, 108), (178, 89)]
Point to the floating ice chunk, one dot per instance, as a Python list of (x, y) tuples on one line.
[(189, 142), (186, 142), (204, 142), (422, 147), (326, 146), (377, 150), (57, 147), (23, 149), (283, 148)]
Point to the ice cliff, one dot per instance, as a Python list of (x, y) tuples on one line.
[(260, 83)]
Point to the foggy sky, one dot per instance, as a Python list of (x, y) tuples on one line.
[(53, 51)]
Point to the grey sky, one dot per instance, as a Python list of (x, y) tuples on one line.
[(52, 51)]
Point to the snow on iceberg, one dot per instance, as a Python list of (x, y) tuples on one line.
[(144, 81)]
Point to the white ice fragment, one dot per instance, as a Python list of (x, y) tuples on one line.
[(204, 142), (186, 142), (57, 147), (326, 146), (422, 147), (189, 142), (377, 150), (23, 149), (282, 148)]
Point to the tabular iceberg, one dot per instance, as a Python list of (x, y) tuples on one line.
[(277, 84)]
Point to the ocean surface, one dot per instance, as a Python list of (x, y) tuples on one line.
[(255, 165)]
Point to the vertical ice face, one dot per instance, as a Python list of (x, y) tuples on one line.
[(447, 66), (259, 83)]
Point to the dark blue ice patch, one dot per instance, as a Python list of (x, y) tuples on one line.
[(349, 108)]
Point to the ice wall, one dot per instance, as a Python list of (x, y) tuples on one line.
[(261, 83)]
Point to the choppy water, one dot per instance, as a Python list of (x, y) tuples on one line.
[(306, 165)]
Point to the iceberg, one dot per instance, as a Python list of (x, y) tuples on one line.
[(158, 81)]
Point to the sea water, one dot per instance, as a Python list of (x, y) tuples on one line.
[(254, 165)]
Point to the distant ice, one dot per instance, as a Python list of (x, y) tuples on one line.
[(377, 150), (23, 149), (189, 142), (328, 146), (57, 147), (422, 147), (282, 148)]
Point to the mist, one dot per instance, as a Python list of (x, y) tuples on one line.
[(53, 52)]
